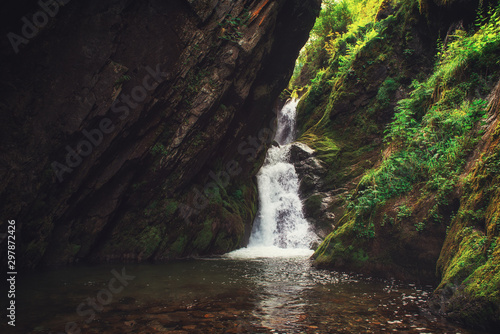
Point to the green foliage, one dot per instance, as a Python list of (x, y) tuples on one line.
[(433, 129), (431, 151), (385, 92), (231, 27), (238, 194), (404, 212), (122, 79), (334, 18), (420, 226), (329, 60), (337, 28), (467, 48), (149, 239), (474, 217), (158, 148), (387, 220), (431, 137), (365, 229)]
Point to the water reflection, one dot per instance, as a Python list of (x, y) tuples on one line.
[(227, 295), (280, 288)]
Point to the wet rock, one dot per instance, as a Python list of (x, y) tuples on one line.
[(311, 172)]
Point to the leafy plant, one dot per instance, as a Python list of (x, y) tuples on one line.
[(159, 149), (231, 27), (122, 79), (404, 212), (420, 226)]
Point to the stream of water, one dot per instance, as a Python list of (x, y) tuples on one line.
[(267, 287), (280, 227)]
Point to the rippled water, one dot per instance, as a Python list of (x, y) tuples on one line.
[(223, 295)]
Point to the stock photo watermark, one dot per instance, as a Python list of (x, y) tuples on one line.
[(31, 27), (94, 137), (11, 271)]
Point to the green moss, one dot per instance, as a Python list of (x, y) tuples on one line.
[(171, 208), (327, 149), (324, 253), (149, 240), (359, 256), (471, 256), (467, 257), (204, 237), (178, 247), (224, 243), (334, 252), (485, 280), (159, 149)]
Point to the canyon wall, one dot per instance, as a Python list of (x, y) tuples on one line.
[(131, 131)]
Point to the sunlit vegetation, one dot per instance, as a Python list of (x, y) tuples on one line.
[(437, 126), (433, 130), (366, 75)]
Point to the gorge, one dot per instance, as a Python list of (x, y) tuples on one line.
[(156, 136), (268, 286)]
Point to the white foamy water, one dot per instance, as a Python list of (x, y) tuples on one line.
[(252, 252), (285, 132), (280, 229)]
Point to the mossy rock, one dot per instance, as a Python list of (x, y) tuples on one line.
[(204, 237)]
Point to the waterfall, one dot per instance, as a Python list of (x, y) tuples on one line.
[(285, 131), (280, 227)]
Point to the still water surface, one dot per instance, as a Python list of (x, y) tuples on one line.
[(234, 294)]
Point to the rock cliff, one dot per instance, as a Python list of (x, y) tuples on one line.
[(131, 130)]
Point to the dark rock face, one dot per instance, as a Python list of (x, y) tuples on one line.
[(311, 171), (131, 130)]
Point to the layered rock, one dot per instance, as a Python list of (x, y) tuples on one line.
[(131, 130)]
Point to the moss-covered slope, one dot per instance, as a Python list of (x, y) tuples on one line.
[(400, 106), (469, 264)]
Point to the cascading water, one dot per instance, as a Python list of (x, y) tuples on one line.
[(285, 131), (280, 228)]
